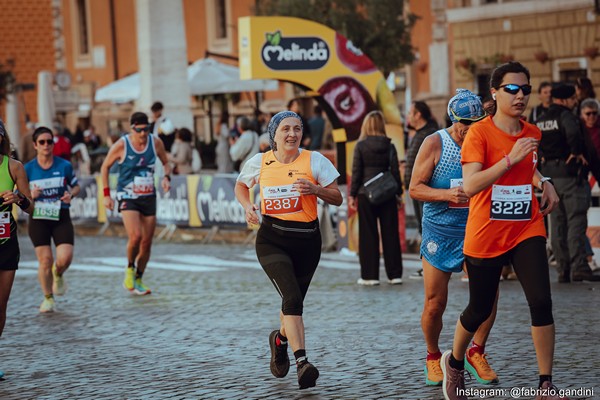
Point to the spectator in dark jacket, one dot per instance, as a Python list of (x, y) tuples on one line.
[(375, 153), (419, 117)]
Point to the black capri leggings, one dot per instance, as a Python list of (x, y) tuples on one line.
[(289, 253), (530, 263)]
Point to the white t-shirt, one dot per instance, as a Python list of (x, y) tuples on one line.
[(322, 170)]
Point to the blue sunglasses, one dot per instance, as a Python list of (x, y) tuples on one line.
[(514, 89)]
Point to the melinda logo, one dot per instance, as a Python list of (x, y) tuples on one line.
[(294, 53)]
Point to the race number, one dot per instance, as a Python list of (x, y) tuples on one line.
[(457, 183), (4, 225), (49, 210), (143, 185), (511, 203), (281, 200)]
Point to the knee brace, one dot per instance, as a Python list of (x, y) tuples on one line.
[(471, 319)]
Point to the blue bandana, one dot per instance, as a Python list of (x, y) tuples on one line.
[(276, 120), (465, 105)]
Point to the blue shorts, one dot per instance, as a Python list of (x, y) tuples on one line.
[(442, 250)]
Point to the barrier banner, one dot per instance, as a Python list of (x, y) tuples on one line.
[(173, 207), (214, 201), (84, 207)]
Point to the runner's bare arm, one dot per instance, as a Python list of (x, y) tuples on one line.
[(22, 183), (475, 179), (162, 154), (115, 153), (242, 194), (329, 194), (427, 158)]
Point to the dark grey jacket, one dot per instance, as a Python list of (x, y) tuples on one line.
[(372, 156)]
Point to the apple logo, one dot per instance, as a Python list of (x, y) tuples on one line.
[(353, 57), (350, 101)]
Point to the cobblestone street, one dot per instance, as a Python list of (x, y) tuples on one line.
[(203, 333)]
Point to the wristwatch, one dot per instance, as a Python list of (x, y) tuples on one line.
[(542, 180)]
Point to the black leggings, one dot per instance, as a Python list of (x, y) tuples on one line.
[(289, 253), (529, 261)]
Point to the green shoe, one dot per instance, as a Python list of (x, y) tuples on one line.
[(128, 283), (139, 288), (59, 286), (48, 305)]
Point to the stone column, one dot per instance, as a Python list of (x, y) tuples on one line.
[(13, 124), (162, 59)]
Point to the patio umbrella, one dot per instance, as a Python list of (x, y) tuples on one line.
[(205, 76)]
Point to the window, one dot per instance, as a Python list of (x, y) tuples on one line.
[(218, 26), (82, 27), (221, 19), (568, 70), (81, 33)]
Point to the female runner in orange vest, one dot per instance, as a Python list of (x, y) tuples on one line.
[(288, 243)]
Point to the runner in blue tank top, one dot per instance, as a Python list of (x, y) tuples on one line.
[(12, 174), (437, 181), (53, 185), (137, 154)]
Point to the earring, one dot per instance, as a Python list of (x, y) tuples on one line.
[(494, 96)]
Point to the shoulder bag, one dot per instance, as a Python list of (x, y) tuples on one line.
[(382, 187)]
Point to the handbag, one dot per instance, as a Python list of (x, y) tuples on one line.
[(382, 187)]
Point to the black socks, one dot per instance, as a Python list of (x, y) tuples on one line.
[(300, 356), (456, 364)]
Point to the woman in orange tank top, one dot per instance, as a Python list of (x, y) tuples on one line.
[(505, 224), (288, 242)]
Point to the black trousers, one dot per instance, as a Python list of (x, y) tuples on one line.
[(368, 238)]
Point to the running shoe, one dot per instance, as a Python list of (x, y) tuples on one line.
[(416, 275), (139, 288), (478, 366), (59, 286), (465, 278), (367, 282), (1, 374), (395, 281), (433, 373), (280, 362), (48, 305), (129, 278), (549, 392), (454, 379), (307, 375)]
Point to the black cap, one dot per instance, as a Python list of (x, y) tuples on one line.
[(563, 91), (139, 118)]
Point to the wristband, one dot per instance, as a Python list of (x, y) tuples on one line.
[(106, 192), (508, 164), (168, 177), (23, 202)]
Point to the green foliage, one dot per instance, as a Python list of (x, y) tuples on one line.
[(380, 28)]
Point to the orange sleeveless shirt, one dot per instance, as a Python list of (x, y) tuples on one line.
[(506, 213), (278, 198)]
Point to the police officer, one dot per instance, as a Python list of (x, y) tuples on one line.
[(561, 151)]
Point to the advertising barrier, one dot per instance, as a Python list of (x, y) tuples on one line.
[(193, 201)]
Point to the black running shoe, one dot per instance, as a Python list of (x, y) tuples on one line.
[(280, 362), (307, 375)]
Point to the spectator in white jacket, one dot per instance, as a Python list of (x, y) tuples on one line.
[(246, 145)]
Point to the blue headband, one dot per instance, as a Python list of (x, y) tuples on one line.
[(276, 120)]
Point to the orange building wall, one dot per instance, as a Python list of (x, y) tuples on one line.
[(125, 28), (421, 38), (26, 36)]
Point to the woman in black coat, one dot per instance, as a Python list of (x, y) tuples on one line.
[(375, 153)]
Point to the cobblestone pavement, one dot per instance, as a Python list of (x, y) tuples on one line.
[(203, 333)]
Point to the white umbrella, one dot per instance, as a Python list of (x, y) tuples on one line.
[(208, 76), (205, 76), (45, 99), (120, 91)]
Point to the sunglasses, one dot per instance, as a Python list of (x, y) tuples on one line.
[(140, 130), (594, 113), (45, 141), (514, 89), (467, 121)]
